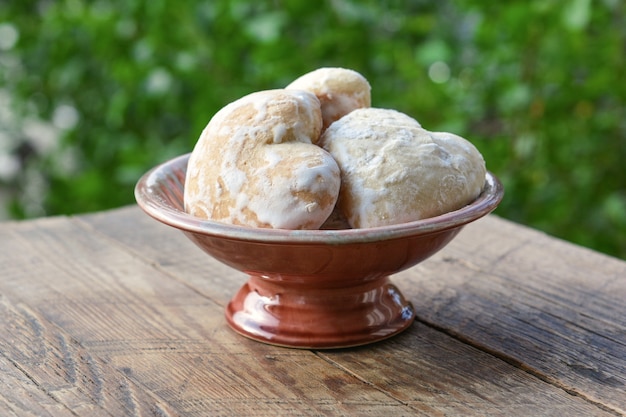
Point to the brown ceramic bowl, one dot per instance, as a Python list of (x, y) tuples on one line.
[(312, 288)]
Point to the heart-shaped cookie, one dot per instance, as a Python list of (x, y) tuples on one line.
[(394, 171), (256, 164)]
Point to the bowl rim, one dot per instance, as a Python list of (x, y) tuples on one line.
[(147, 185)]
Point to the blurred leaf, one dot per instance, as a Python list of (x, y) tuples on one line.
[(577, 14), (432, 51)]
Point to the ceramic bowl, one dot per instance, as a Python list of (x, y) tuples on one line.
[(312, 288)]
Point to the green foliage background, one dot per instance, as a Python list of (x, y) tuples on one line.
[(537, 85)]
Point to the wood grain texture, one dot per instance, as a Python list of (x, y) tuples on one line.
[(116, 314), (547, 306), (46, 372)]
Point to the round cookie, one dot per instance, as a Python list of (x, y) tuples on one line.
[(339, 91), (255, 164), (393, 171)]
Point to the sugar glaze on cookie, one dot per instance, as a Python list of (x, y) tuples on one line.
[(394, 171), (255, 164)]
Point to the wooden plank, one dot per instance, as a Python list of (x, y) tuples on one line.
[(21, 396), (151, 244), (547, 306), (87, 303), (444, 378), (169, 249), (47, 373)]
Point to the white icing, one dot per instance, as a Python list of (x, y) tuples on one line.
[(234, 180), (279, 130), (261, 111), (277, 203), (272, 157)]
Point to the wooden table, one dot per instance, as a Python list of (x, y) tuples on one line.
[(114, 314)]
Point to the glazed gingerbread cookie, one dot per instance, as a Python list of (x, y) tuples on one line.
[(339, 91), (256, 164), (394, 171)]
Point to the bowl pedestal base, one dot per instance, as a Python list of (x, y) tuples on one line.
[(294, 313)]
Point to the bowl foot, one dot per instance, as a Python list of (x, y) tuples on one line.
[(300, 316)]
